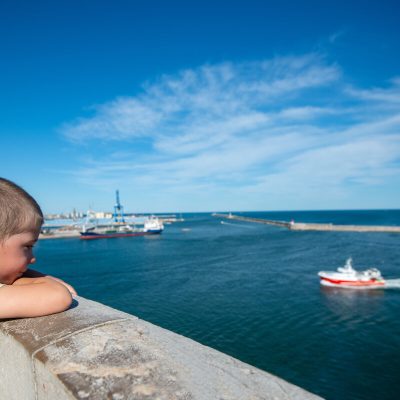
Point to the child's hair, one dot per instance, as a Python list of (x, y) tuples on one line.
[(19, 211)]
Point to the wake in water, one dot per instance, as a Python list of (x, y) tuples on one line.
[(392, 284), (388, 284)]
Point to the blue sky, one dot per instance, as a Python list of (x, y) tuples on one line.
[(200, 105)]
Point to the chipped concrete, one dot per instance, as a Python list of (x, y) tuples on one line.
[(95, 352)]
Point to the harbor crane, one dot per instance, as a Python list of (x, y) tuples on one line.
[(118, 209)]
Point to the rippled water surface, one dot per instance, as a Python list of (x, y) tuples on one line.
[(252, 291)]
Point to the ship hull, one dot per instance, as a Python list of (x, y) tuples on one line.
[(352, 283), (94, 235)]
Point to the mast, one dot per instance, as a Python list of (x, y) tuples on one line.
[(118, 209)]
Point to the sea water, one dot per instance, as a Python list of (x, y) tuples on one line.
[(252, 291)]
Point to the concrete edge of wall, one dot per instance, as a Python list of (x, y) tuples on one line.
[(95, 352)]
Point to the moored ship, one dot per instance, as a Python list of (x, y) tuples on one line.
[(120, 228), (152, 226)]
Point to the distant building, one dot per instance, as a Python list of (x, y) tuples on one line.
[(75, 215), (72, 215), (102, 214)]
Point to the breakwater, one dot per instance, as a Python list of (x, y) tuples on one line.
[(301, 226)]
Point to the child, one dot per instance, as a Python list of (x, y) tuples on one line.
[(24, 292)]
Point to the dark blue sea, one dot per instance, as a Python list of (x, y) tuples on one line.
[(252, 291)]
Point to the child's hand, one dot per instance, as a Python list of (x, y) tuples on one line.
[(67, 285)]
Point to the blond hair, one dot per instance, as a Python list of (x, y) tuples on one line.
[(19, 211)]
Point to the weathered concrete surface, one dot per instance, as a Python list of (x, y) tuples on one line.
[(95, 352), (17, 379), (36, 333)]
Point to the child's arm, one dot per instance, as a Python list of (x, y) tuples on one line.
[(31, 273), (33, 297)]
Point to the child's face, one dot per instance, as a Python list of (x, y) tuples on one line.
[(15, 256)]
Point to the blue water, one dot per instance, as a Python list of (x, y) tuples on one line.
[(252, 291)]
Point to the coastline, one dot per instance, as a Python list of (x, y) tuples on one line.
[(60, 235)]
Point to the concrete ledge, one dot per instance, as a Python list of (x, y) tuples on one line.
[(95, 352)]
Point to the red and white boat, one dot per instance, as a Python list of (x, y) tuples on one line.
[(348, 277)]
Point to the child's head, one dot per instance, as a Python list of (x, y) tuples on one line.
[(19, 211)]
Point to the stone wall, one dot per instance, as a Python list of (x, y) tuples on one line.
[(95, 352)]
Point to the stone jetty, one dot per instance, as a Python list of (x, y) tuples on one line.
[(300, 226)]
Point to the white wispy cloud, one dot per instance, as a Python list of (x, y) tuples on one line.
[(390, 94), (290, 123)]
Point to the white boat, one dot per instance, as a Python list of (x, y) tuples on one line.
[(348, 277), (153, 225)]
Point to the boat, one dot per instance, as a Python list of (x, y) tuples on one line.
[(119, 227), (152, 226), (348, 277)]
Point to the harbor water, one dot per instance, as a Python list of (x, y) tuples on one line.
[(252, 291)]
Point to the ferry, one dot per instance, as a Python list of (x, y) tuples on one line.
[(348, 277)]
